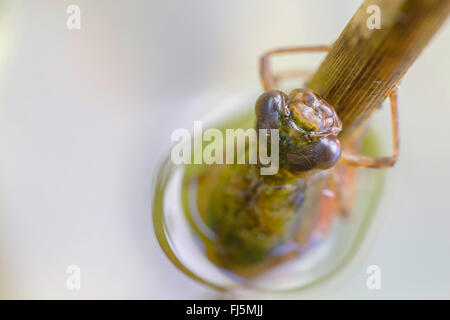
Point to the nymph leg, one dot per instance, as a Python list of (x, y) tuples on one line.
[(268, 79), (378, 162)]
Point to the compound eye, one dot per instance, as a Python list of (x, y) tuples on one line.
[(321, 154), (329, 152), (269, 108)]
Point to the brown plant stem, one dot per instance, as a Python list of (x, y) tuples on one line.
[(364, 65)]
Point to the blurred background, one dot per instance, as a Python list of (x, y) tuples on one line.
[(85, 115)]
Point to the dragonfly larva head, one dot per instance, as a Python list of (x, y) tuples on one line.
[(308, 128)]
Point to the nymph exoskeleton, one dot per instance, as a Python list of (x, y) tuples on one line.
[(259, 221)]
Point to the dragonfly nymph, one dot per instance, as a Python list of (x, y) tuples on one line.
[(259, 221)]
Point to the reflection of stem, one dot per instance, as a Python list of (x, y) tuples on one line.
[(364, 65)]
